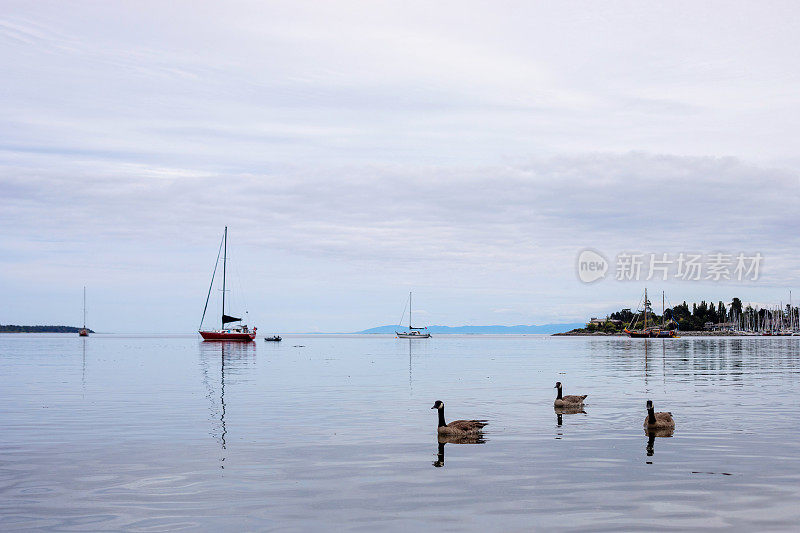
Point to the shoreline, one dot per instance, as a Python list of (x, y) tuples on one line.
[(680, 334)]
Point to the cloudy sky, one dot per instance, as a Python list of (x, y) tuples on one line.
[(358, 150)]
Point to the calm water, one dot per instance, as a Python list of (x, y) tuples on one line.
[(319, 432)]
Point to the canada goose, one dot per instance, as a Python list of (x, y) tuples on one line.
[(655, 421), (457, 427), (567, 401)]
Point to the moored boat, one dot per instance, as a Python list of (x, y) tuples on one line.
[(412, 333), (238, 333), (83, 332), (654, 331)]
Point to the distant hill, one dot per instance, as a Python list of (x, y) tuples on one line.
[(10, 328), (477, 330)]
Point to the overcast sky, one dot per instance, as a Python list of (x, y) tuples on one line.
[(358, 150)]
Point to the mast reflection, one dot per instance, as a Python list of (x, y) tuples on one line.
[(230, 356)]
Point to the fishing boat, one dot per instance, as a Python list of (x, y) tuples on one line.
[(412, 333), (240, 332), (83, 332), (274, 338), (655, 331)]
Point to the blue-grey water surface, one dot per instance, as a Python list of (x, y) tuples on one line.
[(336, 432)]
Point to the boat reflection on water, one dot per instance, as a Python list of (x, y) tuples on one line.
[(231, 356), (651, 438), (443, 439)]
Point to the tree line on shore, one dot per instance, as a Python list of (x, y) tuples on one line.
[(12, 328), (695, 318)]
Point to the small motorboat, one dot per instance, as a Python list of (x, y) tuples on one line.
[(274, 338)]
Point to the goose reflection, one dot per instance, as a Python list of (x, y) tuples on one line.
[(451, 439), (651, 438), (571, 410)]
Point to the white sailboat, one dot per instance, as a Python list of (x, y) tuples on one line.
[(412, 333)]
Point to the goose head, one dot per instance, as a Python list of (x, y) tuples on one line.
[(439, 404)]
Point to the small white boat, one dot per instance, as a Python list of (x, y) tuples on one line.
[(412, 333)]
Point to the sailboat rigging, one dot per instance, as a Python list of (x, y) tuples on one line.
[(412, 333), (83, 332), (240, 332), (665, 331)]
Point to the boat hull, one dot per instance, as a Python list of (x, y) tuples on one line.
[(652, 334), (237, 336), (667, 335), (413, 336), (83, 333)]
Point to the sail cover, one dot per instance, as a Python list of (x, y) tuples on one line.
[(228, 318)]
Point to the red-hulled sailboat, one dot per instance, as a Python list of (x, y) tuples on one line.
[(241, 332)]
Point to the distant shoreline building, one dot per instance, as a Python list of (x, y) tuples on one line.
[(601, 321)]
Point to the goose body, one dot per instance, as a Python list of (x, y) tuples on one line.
[(655, 420), (457, 428), (567, 401)]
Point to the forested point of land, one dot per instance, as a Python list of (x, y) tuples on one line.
[(694, 317), (11, 328)]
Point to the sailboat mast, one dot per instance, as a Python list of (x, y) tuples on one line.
[(224, 262), (409, 311), (663, 310), (645, 309), (84, 307)]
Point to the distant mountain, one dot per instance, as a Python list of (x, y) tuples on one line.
[(10, 328), (477, 330)]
